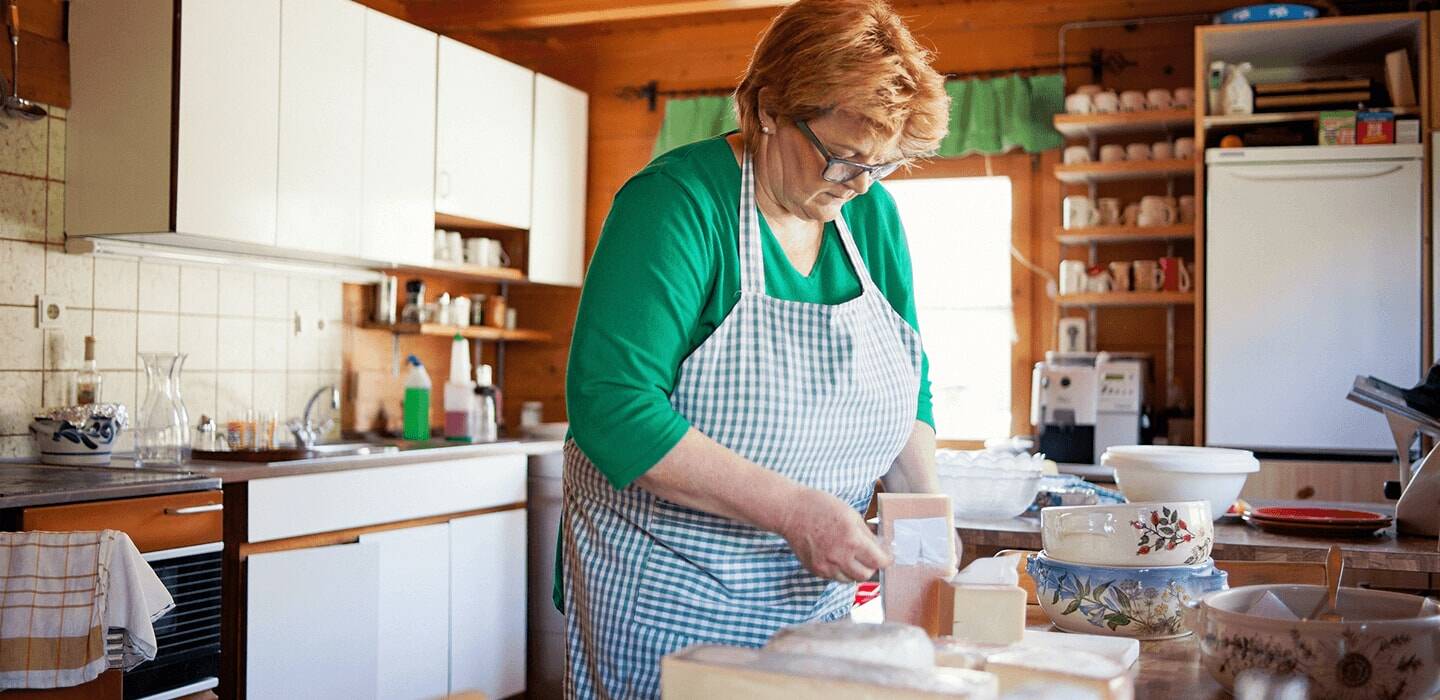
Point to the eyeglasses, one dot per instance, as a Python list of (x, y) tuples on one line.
[(841, 171)]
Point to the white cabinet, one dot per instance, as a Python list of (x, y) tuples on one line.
[(322, 62), (397, 212), (483, 127), (557, 212), (414, 612), (487, 603), (311, 622)]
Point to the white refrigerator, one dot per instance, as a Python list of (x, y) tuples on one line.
[(1312, 276)]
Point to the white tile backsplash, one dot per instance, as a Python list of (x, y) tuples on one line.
[(270, 392), (12, 446), (233, 393), (270, 296), (23, 276), (22, 208), (23, 149), (20, 395), (157, 333), (65, 346), (199, 289), (71, 278), (56, 159), (235, 349), (237, 293), (115, 342), (270, 341), (159, 287), (55, 212), (198, 390), (23, 342), (197, 341), (116, 283)]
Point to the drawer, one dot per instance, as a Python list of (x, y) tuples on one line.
[(153, 522)]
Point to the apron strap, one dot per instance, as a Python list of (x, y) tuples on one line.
[(867, 283), (752, 254)]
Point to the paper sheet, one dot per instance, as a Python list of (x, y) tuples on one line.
[(922, 542)]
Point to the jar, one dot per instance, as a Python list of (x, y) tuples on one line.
[(477, 309), (495, 311)]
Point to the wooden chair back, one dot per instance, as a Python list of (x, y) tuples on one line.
[(1241, 573)]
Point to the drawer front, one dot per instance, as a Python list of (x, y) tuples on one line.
[(153, 522)]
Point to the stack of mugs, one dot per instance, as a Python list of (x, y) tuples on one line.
[(1182, 148), (451, 247), (1167, 274), (1125, 570), (1153, 210), (1095, 99)]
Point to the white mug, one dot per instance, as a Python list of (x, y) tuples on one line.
[(1187, 208), (1089, 89), (1161, 150), (1185, 147), (1137, 151), (1109, 210), (1079, 212), (1148, 276), (1184, 98), (1076, 154), (1155, 211), (454, 247), (1097, 282), (1131, 216), (1106, 102), (1112, 153), (1078, 104), (1158, 98), (1073, 277), (1132, 101)]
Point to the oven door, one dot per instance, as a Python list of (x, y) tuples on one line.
[(187, 638)]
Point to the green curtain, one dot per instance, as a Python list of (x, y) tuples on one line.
[(692, 119), (988, 116)]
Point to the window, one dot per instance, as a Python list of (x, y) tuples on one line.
[(959, 233)]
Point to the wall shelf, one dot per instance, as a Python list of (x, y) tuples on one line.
[(1128, 299), (1124, 234), (1281, 117), (1161, 121), (468, 273), (472, 332), (1085, 173)]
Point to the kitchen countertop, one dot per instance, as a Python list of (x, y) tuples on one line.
[(411, 453), (1238, 541), (33, 485)]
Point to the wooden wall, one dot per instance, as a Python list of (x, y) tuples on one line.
[(967, 35)]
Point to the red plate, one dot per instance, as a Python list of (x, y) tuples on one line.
[(1328, 516), (1314, 529)]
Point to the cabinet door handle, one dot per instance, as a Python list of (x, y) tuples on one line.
[(192, 510)]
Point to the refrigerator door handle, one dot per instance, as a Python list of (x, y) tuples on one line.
[(1331, 171)]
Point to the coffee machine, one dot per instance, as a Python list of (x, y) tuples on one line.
[(1081, 403)]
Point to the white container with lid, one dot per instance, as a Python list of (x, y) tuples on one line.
[(1179, 473)]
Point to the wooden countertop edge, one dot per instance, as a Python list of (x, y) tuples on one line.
[(352, 535)]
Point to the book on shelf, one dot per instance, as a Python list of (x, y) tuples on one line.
[(1399, 80)]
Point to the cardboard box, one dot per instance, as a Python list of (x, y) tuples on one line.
[(1407, 130), (1375, 126), (1337, 128)]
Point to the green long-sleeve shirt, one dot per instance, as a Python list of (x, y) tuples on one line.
[(664, 276)]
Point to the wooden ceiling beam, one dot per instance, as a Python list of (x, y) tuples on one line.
[(483, 16)]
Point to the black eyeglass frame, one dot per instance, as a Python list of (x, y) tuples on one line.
[(835, 168)]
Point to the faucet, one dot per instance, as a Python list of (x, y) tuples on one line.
[(304, 429)]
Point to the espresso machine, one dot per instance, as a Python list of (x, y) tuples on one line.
[(1081, 403)]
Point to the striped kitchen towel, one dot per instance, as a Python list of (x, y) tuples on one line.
[(59, 594)]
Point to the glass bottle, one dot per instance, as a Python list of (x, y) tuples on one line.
[(162, 435), (88, 380)]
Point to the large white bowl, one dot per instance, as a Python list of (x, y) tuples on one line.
[(1129, 534), (1174, 473), (1388, 645), (984, 493)]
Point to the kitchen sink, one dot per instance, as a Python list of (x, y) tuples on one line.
[(346, 449)]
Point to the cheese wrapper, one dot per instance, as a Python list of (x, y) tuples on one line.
[(919, 530), (704, 672)]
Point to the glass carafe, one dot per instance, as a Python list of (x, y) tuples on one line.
[(162, 435)]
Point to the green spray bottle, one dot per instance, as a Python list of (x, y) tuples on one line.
[(417, 402)]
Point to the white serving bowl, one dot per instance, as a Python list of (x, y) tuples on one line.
[(988, 485), (1176, 473), (1130, 534), (1387, 646)]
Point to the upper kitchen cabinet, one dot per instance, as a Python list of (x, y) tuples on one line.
[(557, 213), (397, 210), (322, 80), (156, 147), (483, 128)]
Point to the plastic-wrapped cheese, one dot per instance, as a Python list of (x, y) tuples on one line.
[(707, 672), (1024, 667), (888, 643)]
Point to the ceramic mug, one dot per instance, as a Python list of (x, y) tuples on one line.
[(1078, 104), (1112, 153), (1132, 101), (1139, 602), (1076, 154), (1131, 216), (1120, 276), (1173, 275), (1158, 98), (1109, 208), (1137, 151), (1156, 210), (1147, 275), (1097, 281), (1106, 102), (1089, 89), (1130, 534), (1184, 98), (1079, 212), (1162, 150), (1187, 208), (1185, 147), (1073, 277)]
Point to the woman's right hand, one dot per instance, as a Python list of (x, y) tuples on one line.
[(831, 539)]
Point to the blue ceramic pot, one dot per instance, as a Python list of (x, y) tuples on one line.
[(1138, 602), (60, 441)]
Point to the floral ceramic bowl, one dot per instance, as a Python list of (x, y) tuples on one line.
[(78, 435), (1388, 646), (1142, 603), (1173, 533)]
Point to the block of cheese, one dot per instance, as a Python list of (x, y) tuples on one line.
[(1024, 667), (919, 529), (705, 672), (889, 643), (987, 613)]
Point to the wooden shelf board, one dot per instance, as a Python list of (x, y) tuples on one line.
[(1083, 125), (448, 221), (1082, 173), (1280, 117), (472, 273), (1124, 234), (518, 335), (1128, 299)]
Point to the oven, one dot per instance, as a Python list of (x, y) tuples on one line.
[(187, 657)]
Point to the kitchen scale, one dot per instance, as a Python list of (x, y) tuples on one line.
[(1418, 512)]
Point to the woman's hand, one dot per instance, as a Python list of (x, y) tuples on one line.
[(831, 539)]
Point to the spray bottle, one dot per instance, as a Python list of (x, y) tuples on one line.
[(485, 425), (459, 393)]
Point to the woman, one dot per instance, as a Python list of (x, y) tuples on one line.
[(746, 361)]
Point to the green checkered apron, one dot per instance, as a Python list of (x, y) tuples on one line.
[(823, 394)]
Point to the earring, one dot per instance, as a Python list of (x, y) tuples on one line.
[(764, 129)]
